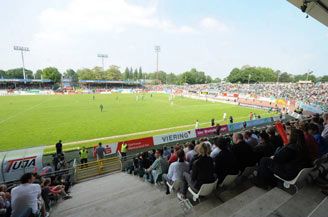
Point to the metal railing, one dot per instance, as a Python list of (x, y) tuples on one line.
[(94, 168)]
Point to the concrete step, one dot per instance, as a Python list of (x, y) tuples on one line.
[(321, 210), (264, 205), (301, 204), (101, 197), (236, 203)]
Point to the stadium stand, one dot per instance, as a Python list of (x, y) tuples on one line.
[(125, 195)]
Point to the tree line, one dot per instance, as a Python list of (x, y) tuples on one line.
[(262, 74), (112, 73)]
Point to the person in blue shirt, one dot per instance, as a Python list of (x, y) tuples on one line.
[(322, 144)]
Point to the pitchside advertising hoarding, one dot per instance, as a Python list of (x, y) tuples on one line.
[(211, 131), (174, 137), (17, 162)]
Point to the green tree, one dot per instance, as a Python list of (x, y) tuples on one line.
[(285, 77), (85, 74), (126, 74), (38, 74), (140, 73), (208, 79), (135, 74), (113, 73), (71, 74), (2, 74), (18, 73), (51, 73), (324, 78), (217, 80)]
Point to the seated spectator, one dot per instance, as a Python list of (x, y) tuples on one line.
[(254, 133), (265, 148), (191, 153), (58, 189), (322, 145), (159, 166), (195, 157), (25, 196), (174, 156), (167, 153), (176, 170), (144, 162), (249, 139), (275, 140), (4, 201), (135, 164), (47, 169), (324, 133), (316, 120), (225, 162), (216, 149), (287, 163), (45, 193), (151, 155), (243, 152), (202, 173), (185, 147), (309, 140)]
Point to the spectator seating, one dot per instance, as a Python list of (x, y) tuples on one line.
[(175, 185), (228, 180), (300, 177), (205, 190)]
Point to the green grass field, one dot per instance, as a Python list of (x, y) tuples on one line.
[(42, 120)]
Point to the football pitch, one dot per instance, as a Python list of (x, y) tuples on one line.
[(27, 121)]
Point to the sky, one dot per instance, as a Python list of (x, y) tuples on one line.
[(211, 36)]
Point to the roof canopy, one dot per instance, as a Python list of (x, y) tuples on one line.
[(25, 80), (318, 9), (111, 82)]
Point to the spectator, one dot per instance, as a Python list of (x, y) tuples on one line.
[(174, 157), (186, 149), (202, 173), (47, 169), (166, 153), (243, 152), (287, 163), (195, 157), (324, 133), (59, 147), (265, 148), (62, 163), (191, 153), (159, 166), (172, 150), (176, 170), (309, 140), (275, 140), (216, 149), (225, 162), (322, 145), (100, 151), (151, 155), (84, 156), (218, 129), (144, 163), (25, 196), (55, 161), (316, 121), (58, 189), (249, 139)]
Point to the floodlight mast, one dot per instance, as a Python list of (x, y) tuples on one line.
[(102, 56), (157, 50), (22, 50)]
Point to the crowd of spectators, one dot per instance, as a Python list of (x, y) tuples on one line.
[(204, 161), (21, 86), (308, 92), (33, 196)]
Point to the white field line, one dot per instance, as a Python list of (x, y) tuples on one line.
[(138, 133), (23, 111)]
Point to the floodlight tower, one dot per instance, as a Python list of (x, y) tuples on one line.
[(102, 56), (157, 50), (22, 50), (307, 74)]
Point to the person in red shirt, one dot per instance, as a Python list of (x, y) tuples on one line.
[(174, 156)]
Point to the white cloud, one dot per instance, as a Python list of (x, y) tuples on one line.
[(83, 16), (213, 24)]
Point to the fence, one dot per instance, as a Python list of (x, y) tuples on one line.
[(94, 168)]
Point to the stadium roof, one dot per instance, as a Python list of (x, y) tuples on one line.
[(318, 9), (111, 82), (25, 80)]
